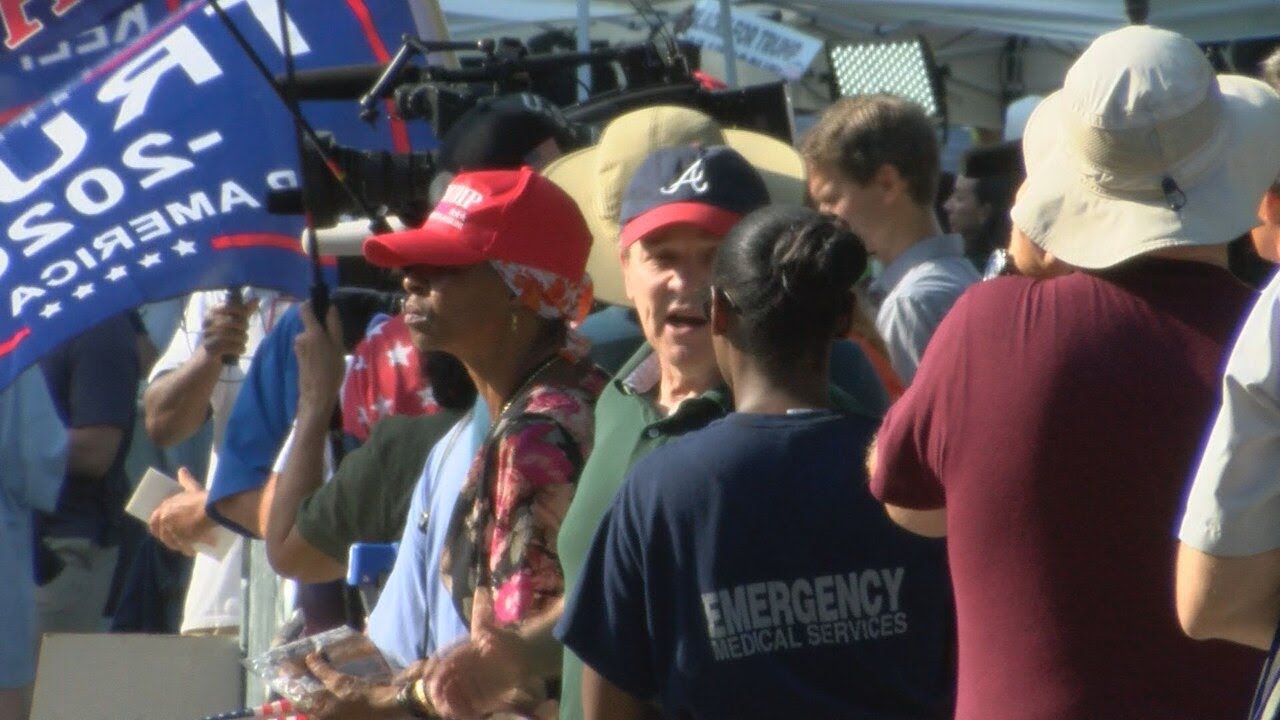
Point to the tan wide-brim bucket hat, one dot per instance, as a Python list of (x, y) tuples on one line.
[(1145, 148), (596, 177)]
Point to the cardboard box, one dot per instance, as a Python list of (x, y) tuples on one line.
[(136, 677)]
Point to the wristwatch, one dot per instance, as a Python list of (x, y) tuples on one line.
[(412, 702), (999, 263)]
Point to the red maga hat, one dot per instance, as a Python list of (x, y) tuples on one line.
[(515, 216)]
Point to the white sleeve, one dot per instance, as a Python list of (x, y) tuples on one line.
[(185, 338), (282, 458), (1234, 502)]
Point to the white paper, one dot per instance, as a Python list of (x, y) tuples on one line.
[(154, 488)]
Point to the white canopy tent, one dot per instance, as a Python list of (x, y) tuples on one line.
[(971, 38), (992, 50), (1067, 20), (476, 18), (1077, 21)]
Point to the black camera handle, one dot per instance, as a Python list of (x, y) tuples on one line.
[(504, 60), (391, 75), (378, 220)]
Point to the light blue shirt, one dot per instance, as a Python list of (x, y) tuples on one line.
[(33, 457), (415, 615), (914, 293)]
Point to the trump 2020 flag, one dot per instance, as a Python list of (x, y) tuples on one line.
[(145, 177), (44, 43)]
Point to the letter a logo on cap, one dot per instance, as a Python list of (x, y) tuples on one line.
[(694, 176)]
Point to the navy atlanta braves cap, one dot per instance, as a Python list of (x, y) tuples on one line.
[(709, 187)]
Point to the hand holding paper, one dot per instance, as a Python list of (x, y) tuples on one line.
[(175, 514)]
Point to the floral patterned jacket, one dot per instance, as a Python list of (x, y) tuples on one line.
[(500, 551)]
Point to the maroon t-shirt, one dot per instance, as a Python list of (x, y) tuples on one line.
[(1058, 421)]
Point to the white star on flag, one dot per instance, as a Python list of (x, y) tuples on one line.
[(117, 273), (83, 291), (359, 363), (399, 355), (428, 398), (385, 406), (184, 247), (51, 309), (150, 259)]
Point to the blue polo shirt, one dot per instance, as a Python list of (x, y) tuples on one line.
[(261, 418)]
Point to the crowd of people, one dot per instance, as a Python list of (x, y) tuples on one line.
[(695, 424)]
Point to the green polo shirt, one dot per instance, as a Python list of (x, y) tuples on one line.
[(628, 426), (367, 499)]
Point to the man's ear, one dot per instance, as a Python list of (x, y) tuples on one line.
[(1269, 210), (890, 183), (624, 256)]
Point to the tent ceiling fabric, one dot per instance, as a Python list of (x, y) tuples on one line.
[(528, 11), (471, 18), (1077, 21), (967, 36)]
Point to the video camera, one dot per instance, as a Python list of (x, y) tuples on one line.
[(399, 183), (503, 72)]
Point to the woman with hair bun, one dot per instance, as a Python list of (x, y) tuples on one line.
[(744, 570)]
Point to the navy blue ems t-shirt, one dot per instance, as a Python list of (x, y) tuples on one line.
[(744, 570)]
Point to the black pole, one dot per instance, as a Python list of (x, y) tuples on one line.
[(319, 291)]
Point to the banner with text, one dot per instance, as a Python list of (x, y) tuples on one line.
[(145, 178), (757, 41), (48, 42)]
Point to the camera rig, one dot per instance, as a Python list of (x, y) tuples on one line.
[(399, 183)]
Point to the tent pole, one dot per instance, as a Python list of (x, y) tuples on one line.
[(584, 45), (730, 52), (429, 17)]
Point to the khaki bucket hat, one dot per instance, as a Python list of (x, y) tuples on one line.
[(1145, 148)]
